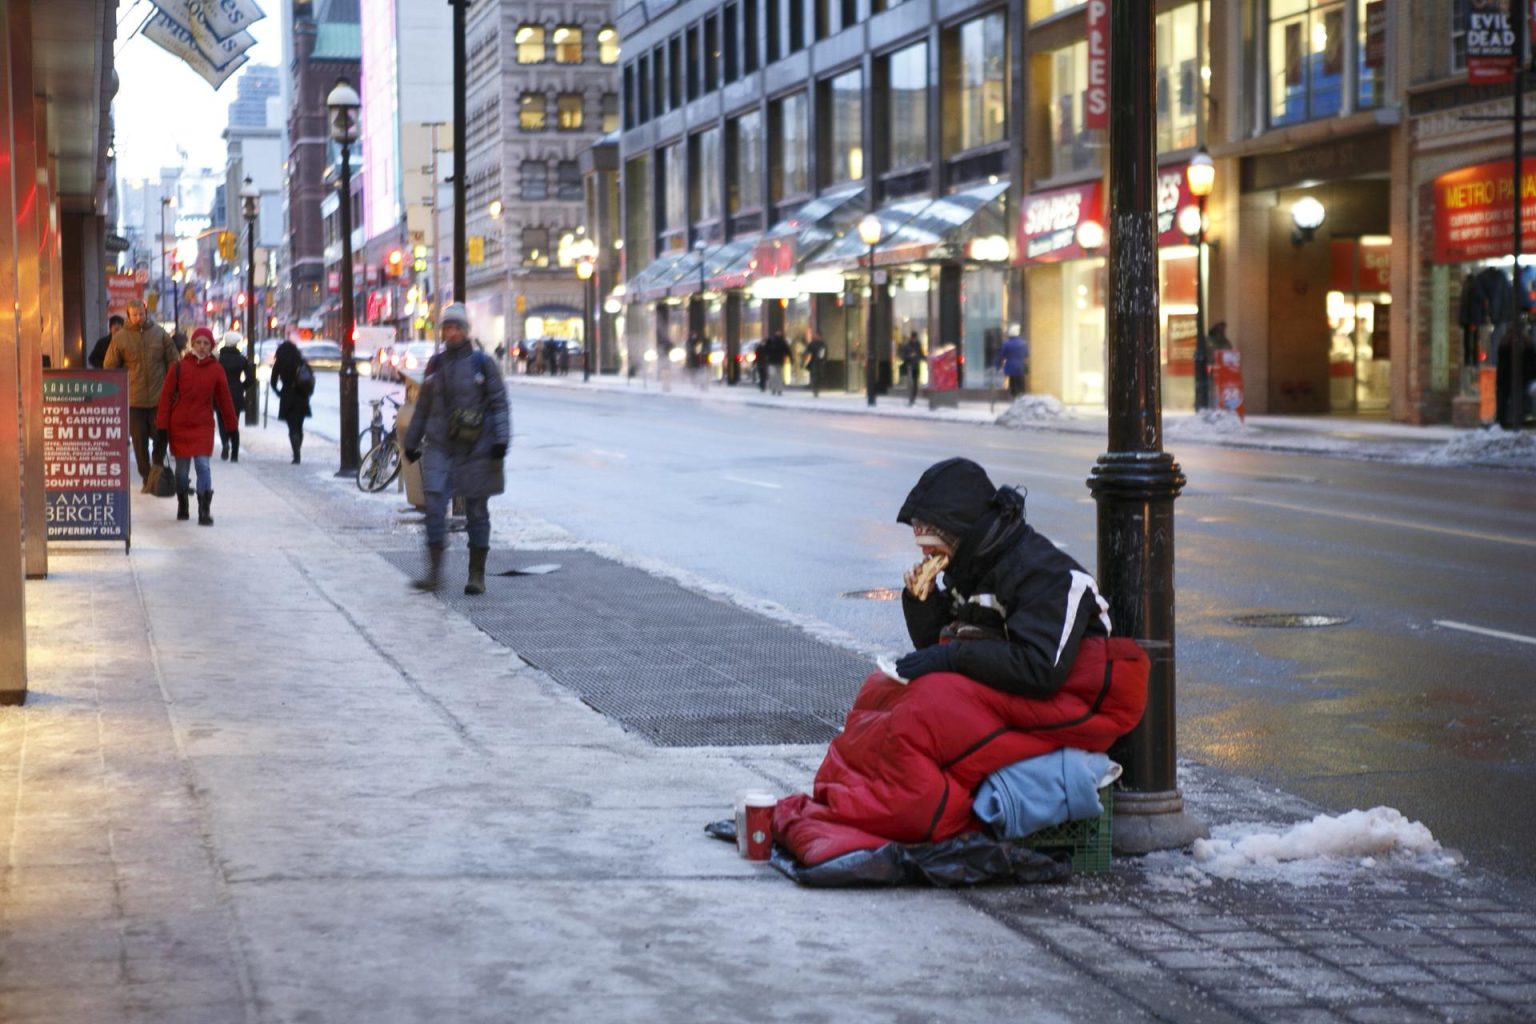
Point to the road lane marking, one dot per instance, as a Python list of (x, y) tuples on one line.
[(1405, 524), (1500, 634), (754, 483)]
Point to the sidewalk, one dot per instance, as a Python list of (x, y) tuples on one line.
[(259, 780)]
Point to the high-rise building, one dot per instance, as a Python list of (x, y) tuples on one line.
[(256, 86)]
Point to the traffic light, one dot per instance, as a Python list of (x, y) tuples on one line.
[(227, 245), (395, 264), (419, 259)]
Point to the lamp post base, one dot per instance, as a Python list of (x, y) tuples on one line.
[(1146, 822)]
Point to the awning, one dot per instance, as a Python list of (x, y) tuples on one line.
[(785, 246), (725, 266), (923, 228), (553, 309), (652, 282)]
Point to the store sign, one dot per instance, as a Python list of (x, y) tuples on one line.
[(1048, 223), (1096, 96), (1474, 211), (122, 289), (1172, 196), (1179, 345), (1364, 266), (1490, 42), (1376, 34), (85, 454)]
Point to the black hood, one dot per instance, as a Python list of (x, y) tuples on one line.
[(952, 495)]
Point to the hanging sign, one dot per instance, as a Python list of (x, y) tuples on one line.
[(179, 42), (209, 35), (1096, 96), (121, 290), (1490, 42), (85, 454)]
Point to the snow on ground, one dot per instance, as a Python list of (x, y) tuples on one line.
[(1028, 410), (1493, 446), (1212, 423)]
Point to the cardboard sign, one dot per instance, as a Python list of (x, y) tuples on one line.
[(85, 454)]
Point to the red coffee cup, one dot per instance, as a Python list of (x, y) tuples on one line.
[(759, 825)]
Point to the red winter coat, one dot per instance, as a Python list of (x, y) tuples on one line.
[(909, 759), (187, 403)]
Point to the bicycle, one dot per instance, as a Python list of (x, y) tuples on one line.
[(381, 464)]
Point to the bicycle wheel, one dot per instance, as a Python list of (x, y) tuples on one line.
[(368, 437), (379, 467)]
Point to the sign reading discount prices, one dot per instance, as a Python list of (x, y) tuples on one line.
[(85, 454)]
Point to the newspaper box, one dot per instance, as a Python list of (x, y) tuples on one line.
[(1227, 381)]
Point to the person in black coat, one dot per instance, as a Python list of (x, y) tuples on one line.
[(99, 350), (1502, 371), (293, 400), (237, 369), (1012, 608)]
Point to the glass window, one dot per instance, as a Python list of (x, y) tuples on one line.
[(675, 72), (1073, 147), (568, 107), (711, 53), (1371, 53), (745, 150), (568, 174), (608, 45), (674, 169), (706, 175), (1459, 35), (535, 179), (639, 222), (610, 112), (658, 82), (907, 107), (843, 112), (749, 35), (694, 60), (730, 46), (1178, 78), (976, 84), (567, 44), (532, 112), (1307, 47), (530, 44), (535, 247), (790, 173)]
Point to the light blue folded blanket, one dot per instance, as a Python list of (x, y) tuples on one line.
[(1039, 792)]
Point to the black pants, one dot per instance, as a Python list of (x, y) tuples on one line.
[(815, 369), (141, 427), (1016, 381)]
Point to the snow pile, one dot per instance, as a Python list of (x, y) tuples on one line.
[(1211, 423), (1494, 445), (1028, 409), (1358, 836)]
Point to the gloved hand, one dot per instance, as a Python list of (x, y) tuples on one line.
[(938, 658), (499, 450), (162, 437), (412, 454)]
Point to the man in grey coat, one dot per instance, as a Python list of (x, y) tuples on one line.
[(143, 347), (460, 430)]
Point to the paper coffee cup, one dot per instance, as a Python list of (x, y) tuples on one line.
[(759, 825)]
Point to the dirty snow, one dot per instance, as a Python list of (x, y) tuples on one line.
[(1032, 409), (1211, 423), (1493, 446)]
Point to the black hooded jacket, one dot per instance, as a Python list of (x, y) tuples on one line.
[(1004, 577)]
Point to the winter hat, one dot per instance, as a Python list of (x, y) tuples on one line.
[(202, 332), (454, 313), (952, 495), (232, 338)]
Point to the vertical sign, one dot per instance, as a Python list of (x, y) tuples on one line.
[(121, 289), (85, 454), (1376, 34), (1490, 42), (1096, 97)]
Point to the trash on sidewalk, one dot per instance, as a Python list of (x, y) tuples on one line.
[(542, 569)]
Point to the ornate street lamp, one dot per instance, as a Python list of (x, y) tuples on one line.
[(869, 234), (343, 103), (1200, 175), (585, 265), (250, 206), (1307, 215)]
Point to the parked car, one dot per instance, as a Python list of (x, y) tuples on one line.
[(322, 355), (413, 359)]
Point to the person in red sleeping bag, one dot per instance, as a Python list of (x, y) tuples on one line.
[(1013, 657)]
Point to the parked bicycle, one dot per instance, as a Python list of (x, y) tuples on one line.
[(381, 464)]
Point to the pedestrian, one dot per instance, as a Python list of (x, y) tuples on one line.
[(297, 380), (816, 362), (551, 357), (144, 348), (777, 352), (911, 365), (460, 430), (196, 390), (1216, 338), (1043, 605), (98, 355), (760, 365), (664, 362), (1012, 360), (1504, 366), (237, 369), (698, 360)]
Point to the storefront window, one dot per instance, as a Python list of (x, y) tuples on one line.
[(1178, 78), (911, 306), (1371, 52), (1074, 148), (981, 317), (1359, 310), (1082, 316), (791, 175), (746, 151), (706, 185), (976, 84), (639, 223), (907, 107), (843, 111), (1307, 44)]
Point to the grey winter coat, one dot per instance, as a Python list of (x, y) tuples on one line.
[(460, 378), (148, 354)]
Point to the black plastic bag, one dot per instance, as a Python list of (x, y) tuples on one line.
[(970, 858)]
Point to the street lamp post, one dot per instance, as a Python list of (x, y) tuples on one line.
[(250, 205), (1201, 178), (165, 204), (343, 102), (584, 267), (869, 234), (176, 278)]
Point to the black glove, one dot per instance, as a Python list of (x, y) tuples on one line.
[(162, 437), (412, 454), (938, 658), (499, 450)]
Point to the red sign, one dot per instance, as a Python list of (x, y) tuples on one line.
[(1490, 42), (1227, 381), (1096, 96), (1048, 222), (121, 289), (1180, 345), (944, 370), (1376, 34), (1172, 196), (1474, 211), (1371, 273)]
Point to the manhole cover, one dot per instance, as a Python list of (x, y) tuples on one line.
[(875, 594), (1291, 620)]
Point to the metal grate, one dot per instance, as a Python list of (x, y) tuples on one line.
[(680, 668)]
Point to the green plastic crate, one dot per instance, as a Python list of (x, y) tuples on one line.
[(1090, 840)]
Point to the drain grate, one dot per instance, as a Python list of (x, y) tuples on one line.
[(1291, 620), (677, 667)]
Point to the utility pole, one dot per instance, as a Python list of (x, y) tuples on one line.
[(460, 237), (1515, 334)]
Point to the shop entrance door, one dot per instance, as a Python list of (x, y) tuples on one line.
[(1359, 311)]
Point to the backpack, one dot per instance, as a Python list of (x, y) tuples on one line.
[(304, 378)]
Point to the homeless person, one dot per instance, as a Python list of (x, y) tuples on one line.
[(1014, 657)]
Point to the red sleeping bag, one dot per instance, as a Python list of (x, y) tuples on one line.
[(910, 757)]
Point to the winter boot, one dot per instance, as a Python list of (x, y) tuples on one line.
[(234, 442), (181, 502), (429, 580), (224, 447), (204, 504), (476, 584), (295, 443)]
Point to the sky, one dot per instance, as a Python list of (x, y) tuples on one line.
[(161, 103)]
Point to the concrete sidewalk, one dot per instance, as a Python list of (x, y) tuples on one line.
[(259, 780)]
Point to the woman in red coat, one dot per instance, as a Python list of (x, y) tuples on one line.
[(195, 388)]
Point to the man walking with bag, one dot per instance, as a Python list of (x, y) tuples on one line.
[(460, 430), (143, 347)]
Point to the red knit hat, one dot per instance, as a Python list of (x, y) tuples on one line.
[(202, 332)]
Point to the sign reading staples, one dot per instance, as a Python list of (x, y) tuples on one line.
[(1048, 223), (1096, 96), (85, 454), (179, 41)]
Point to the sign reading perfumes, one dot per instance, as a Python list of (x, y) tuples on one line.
[(85, 454)]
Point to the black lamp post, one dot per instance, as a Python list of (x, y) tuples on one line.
[(165, 204), (869, 234), (1201, 178), (343, 103), (586, 263), (250, 205)]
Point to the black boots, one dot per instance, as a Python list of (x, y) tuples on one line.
[(429, 580), (476, 584), (181, 504), (224, 447), (295, 442), (204, 504), (234, 446)]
